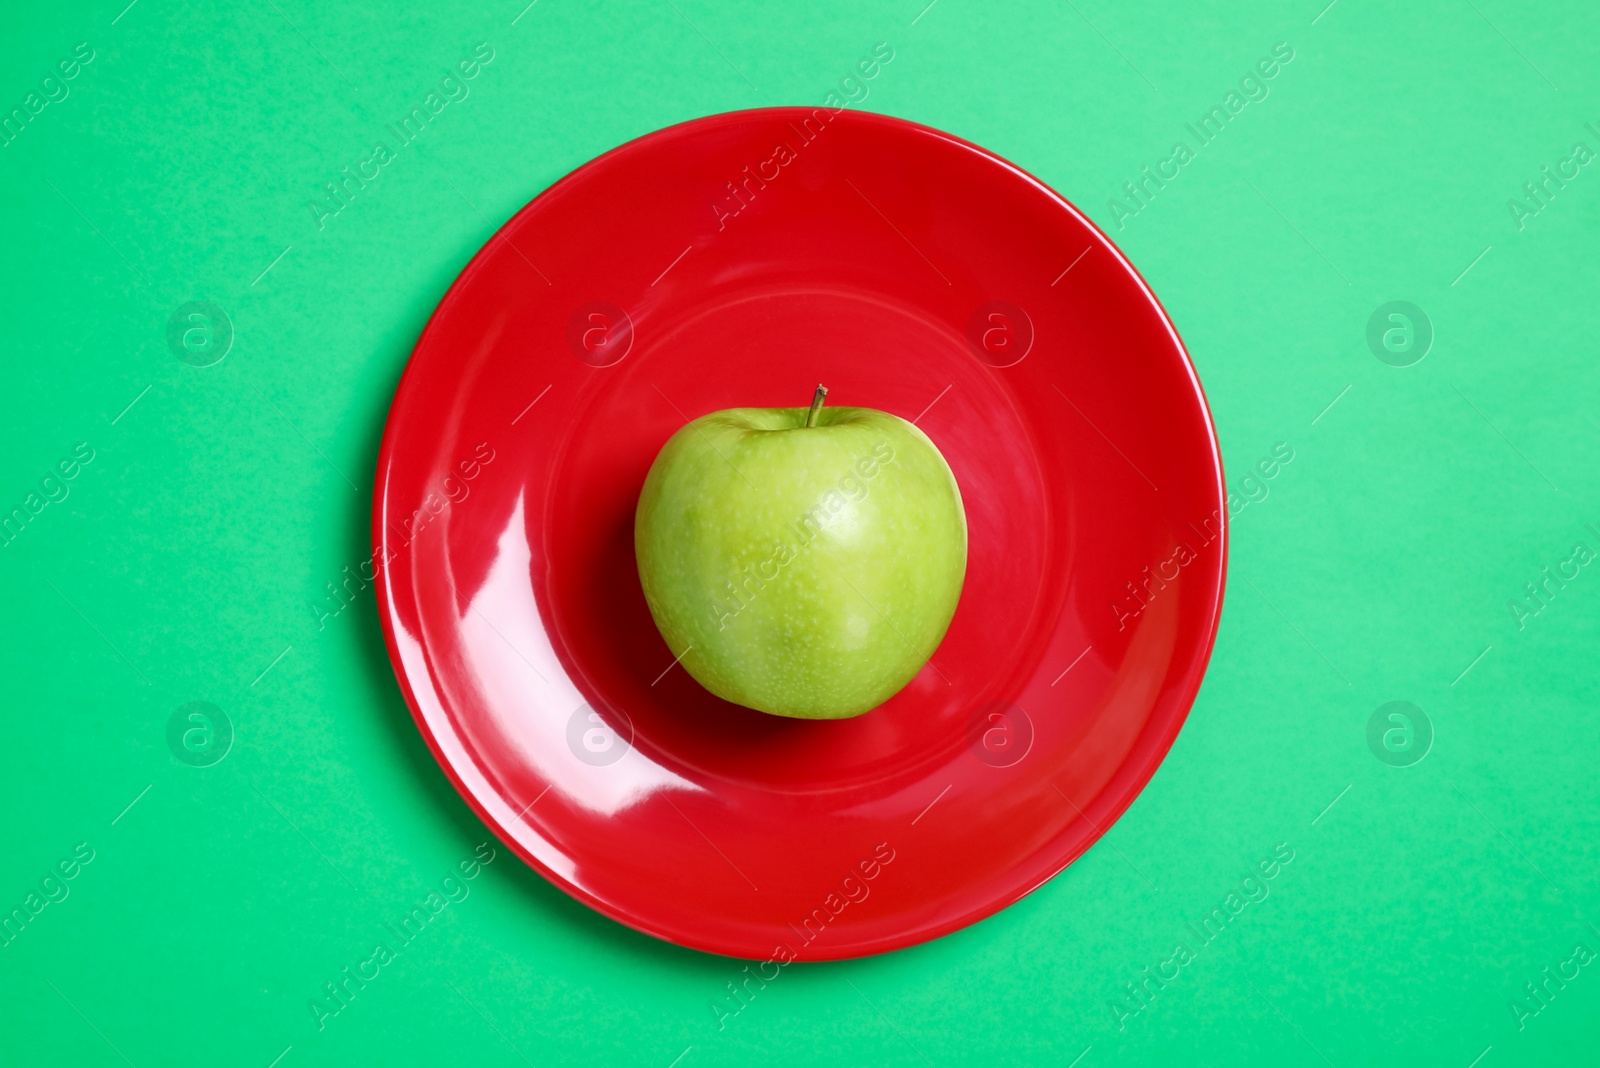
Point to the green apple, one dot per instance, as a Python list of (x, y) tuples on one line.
[(803, 562)]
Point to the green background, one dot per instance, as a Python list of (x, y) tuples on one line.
[(1380, 565)]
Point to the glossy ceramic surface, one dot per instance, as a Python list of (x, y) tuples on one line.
[(738, 260)]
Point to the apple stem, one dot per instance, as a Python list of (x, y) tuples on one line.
[(816, 405)]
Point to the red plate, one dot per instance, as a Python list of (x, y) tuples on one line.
[(734, 261)]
